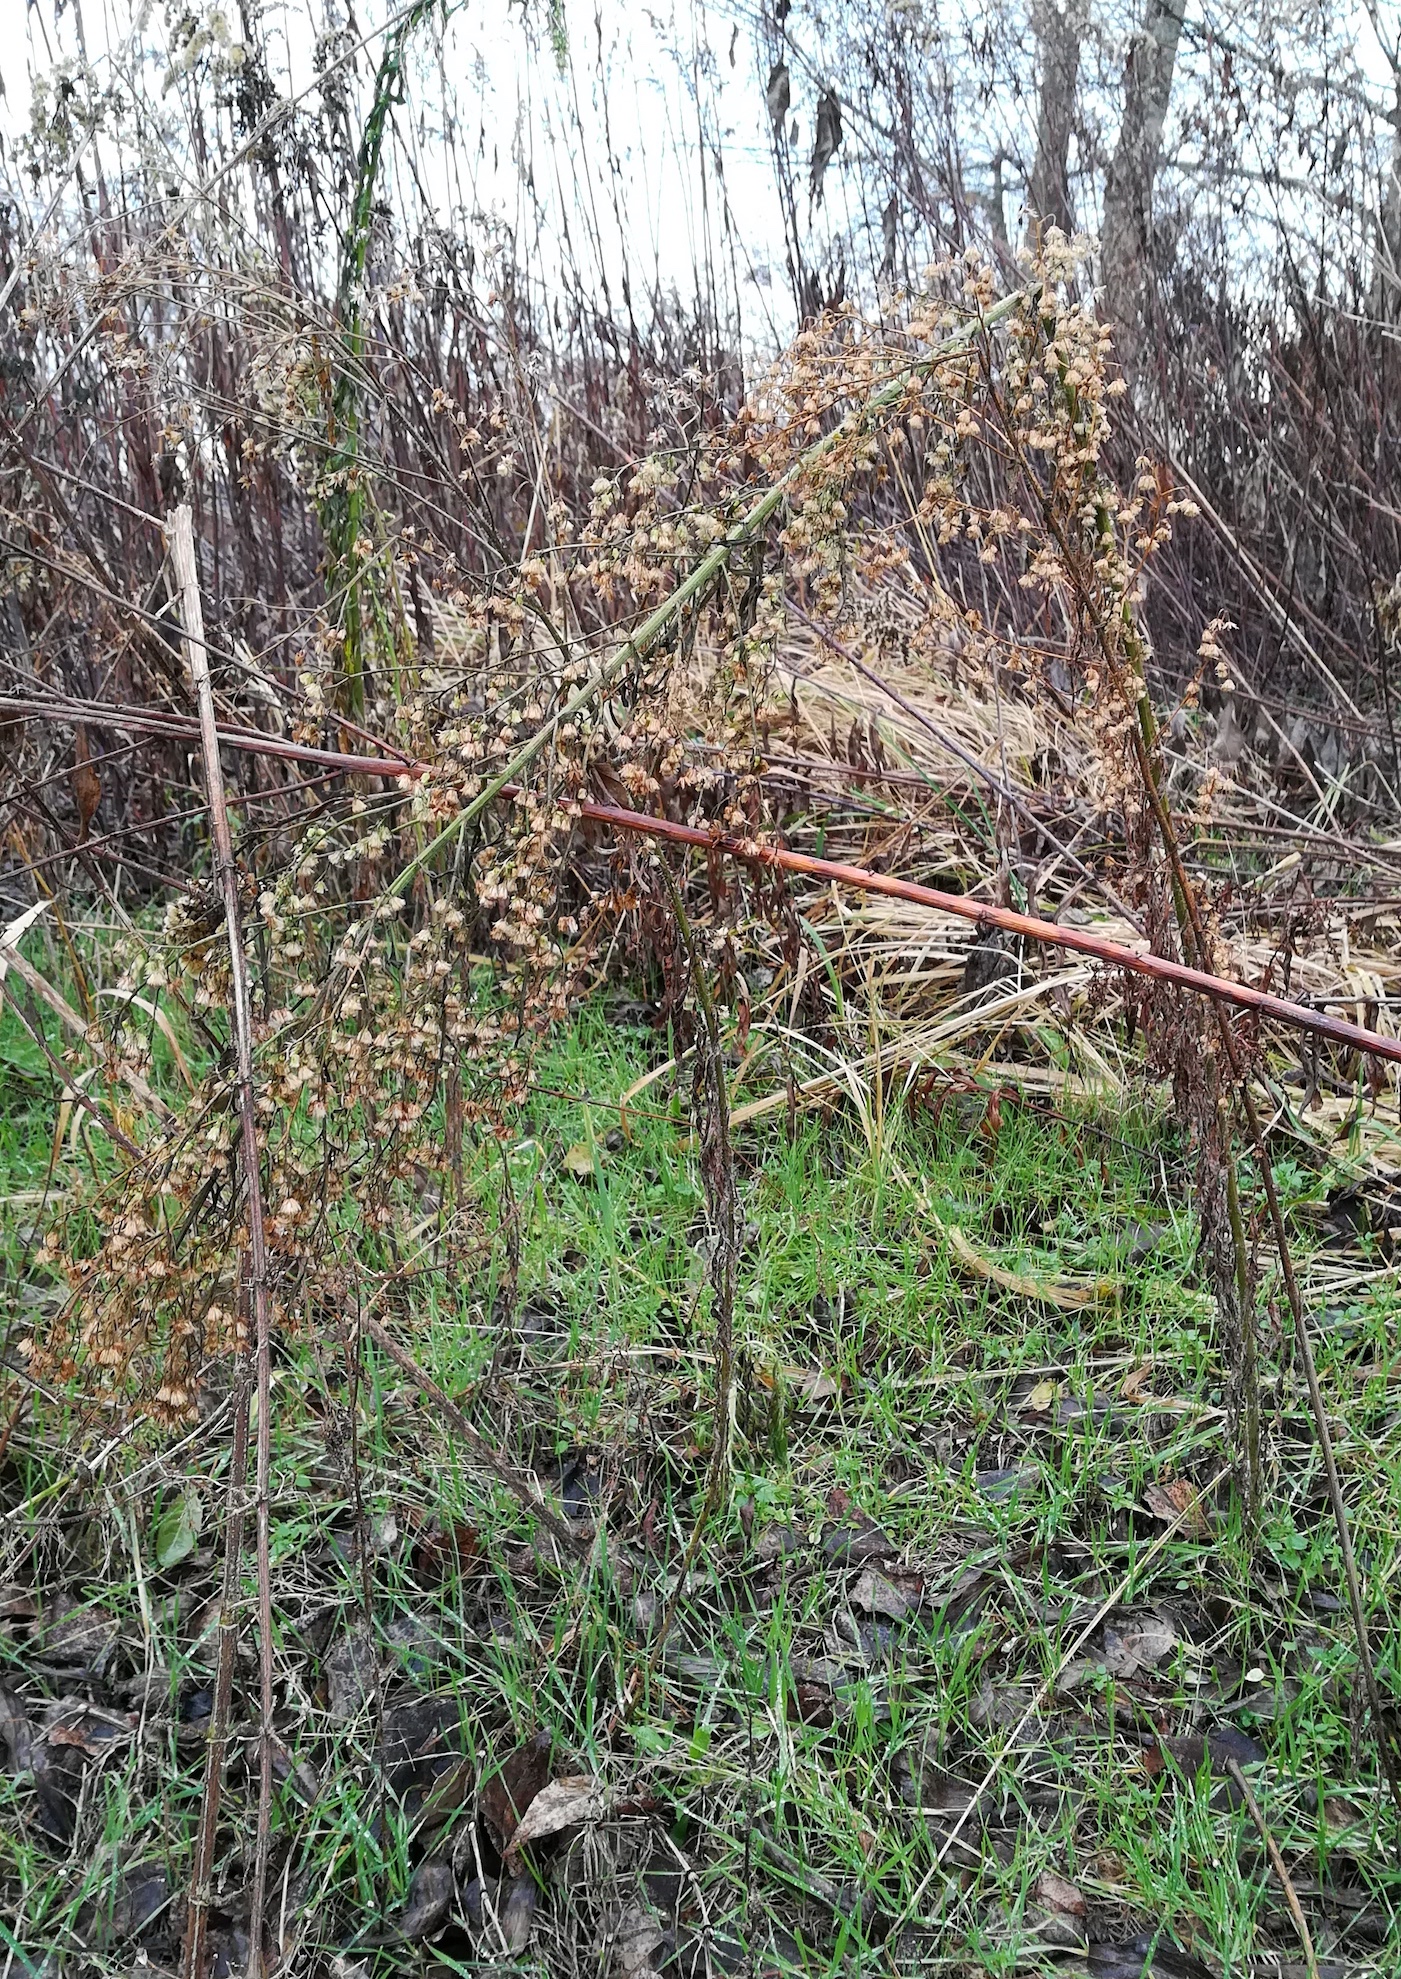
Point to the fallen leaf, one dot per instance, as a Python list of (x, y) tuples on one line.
[(430, 1895), (1131, 1387), (638, 1936), (810, 1703), (1058, 1894), (876, 1595), (1042, 1397), (1190, 1752), (1006, 1483), (17, 1732), (518, 1913), (80, 1635), (778, 1542), (580, 1162), (1178, 1503), (1141, 1647), (857, 1546), (1148, 1956), (352, 1675), (506, 1797), (178, 1529), (565, 1803), (125, 1907), (811, 1384), (440, 1551)]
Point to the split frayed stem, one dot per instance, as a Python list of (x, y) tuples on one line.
[(182, 547)]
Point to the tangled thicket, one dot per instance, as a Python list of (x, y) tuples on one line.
[(379, 1042)]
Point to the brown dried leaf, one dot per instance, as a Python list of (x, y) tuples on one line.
[(1179, 1501), (430, 1894), (508, 1794), (812, 1384), (518, 1913), (875, 1595), (1141, 1647), (565, 1803), (1058, 1894), (639, 1935), (440, 1551)]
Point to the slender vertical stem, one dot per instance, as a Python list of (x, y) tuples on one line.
[(182, 548), (1184, 891)]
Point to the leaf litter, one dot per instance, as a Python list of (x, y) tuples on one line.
[(888, 1601)]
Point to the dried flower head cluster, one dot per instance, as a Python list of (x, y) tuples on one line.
[(408, 945)]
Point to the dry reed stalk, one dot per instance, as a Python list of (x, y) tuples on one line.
[(1282, 1876), (182, 547)]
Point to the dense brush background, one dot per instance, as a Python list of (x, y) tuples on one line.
[(858, 1470)]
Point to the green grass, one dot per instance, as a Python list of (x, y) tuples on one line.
[(793, 1765)]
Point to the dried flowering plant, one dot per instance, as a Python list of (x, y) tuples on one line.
[(628, 658)]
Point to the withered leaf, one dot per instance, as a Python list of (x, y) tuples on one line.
[(1148, 1956), (1179, 1503), (430, 1895), (352, 1672), (1058, 1894), (507, 1795), (518, 1913), (1191, 1751), (639, 1936), (1140, 1647), (875, 1595), (564, 1803), (858, 1546), (440, 1551)]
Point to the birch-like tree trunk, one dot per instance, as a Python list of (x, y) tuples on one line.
[(1060, 31), (1128, 192)]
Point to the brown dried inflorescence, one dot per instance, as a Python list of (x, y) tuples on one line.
[(969, 477)]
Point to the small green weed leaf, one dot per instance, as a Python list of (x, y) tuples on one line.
[(178, 1529)]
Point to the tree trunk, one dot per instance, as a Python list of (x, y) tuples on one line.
[(1385, 298), (1060, 30), (1128, 192)]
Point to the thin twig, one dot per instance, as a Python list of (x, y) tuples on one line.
[(718, 1181), (256, 1277), (481, 1450), (1101, 1614), (1291, 1895)]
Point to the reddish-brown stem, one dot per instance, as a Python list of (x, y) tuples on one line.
[(1053, 934)]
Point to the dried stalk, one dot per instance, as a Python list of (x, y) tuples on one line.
[(481, 1450), (1194, 930), (1291, 1895), (182, 548)]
